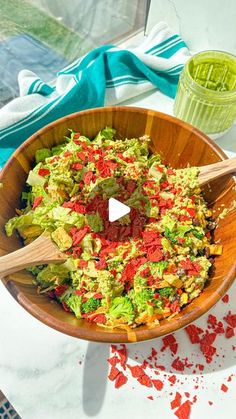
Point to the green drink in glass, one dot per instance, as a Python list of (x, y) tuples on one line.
[(206, 95)]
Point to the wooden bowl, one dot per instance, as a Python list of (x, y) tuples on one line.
[(180, 144)]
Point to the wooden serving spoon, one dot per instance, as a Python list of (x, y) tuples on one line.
[(215, 170), (40, 251), (43, 250)]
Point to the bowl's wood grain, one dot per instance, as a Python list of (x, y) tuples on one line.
[(180, 145)]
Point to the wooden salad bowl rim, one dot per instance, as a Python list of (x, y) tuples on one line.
[(82, 329)]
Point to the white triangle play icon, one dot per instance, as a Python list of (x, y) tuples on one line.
[(116, 209)]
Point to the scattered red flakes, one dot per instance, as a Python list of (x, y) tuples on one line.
[(177, 364), (37, 201), (82, 263), (99, 318), (230, 319), (229, 333), (123, 356), (43, 172), (113, 373), (113, 348), (136, 371), (81, 155), (67, 154), (177, 401), (65, 306), (187, 394), (220, 328), (101, 264), (191, 212), (160, 367), (212, 320), (194, 398), (210, 403), (79, 208), (121, 379), (88, 177), (150, 397), (78, 234), (170, 341), (60, 289), (225, 299), (77, 166), (205, 346), (155, 255), (98, 296), (172, 379), (113, 360), (200, 367), (145, 380), (193, 333), (224, 388), (154, 353), (183, 411), (158, 384), (192, 268)]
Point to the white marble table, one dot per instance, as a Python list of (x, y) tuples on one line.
[(48, 375)]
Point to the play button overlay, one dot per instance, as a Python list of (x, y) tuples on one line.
[(116, 210)]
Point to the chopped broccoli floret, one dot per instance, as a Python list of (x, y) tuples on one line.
[(105, 280), (91, 304), (166, 292), (142, 297), (74, 302), (122, 308)]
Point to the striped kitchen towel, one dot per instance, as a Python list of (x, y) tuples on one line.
[(107, 75)]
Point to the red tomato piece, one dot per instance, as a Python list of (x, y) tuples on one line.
[(37, 201)]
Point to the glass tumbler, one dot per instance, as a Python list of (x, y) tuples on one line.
[(206, 94)]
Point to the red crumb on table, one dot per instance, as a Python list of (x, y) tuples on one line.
[(193, 333), (212, 320), (183, 411), (145, 380), (169, 341), (136, 371), (200, 367), (113, 360), (145, 371), (194, 399), (224, 388), (206, 346), (177, 401), (158, 384), (229, 333), (123, 355), (225, 299), (177, 364), (230, 319), (154, 353), (113, 373), (121, 379), (172, 379)]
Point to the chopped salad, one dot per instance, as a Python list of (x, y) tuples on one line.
[(137, 270)]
